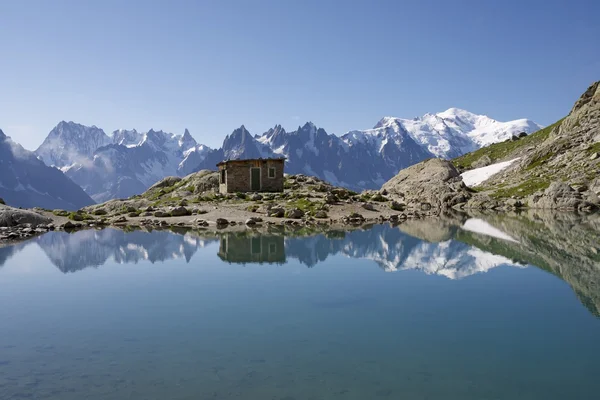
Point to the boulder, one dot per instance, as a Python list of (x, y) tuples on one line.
[(368, 206), (321, 214), (331, 198), (294, 213), (222, 222), (396, 206), (434, 182), (180, 212), (161, 214), (276, 212), (68, 225), (10, 216), (77, 217), (559, 196)]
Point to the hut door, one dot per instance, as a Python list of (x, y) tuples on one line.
[(255, 179)]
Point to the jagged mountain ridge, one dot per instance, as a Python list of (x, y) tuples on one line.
[(365, 159), (25, 181), (128, 162), (121, 165)]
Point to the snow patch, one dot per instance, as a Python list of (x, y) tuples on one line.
[(477, 176), (480, 226)]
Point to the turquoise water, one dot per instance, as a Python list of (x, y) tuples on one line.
[(359, 315)]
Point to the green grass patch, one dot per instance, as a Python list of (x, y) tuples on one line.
[(539, 161), (499, 151), (309, 207), (595, 148), (79, 216), (526, 188)]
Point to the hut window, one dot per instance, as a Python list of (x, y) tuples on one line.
[(271, 172), (272, 248), (223, 176)]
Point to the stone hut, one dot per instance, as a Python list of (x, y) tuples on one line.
[(243, 248), (251, 175)]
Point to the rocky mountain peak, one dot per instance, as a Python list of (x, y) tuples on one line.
[(70, 142), (592, 94), (385, 121), (186, 135)]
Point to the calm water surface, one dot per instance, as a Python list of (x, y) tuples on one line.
[(425, 310)]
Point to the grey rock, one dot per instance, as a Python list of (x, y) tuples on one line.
[(435, 183), (180, 211), (294, 213), (321, 214), (368, 206), (483, 161), (10, 216), (276, 212)]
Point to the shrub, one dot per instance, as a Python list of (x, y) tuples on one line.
[(378, 197)]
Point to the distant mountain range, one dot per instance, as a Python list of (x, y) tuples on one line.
[(365, 159), (128, 162), (119, 166), (25, 181)]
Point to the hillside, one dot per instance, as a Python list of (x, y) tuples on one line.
[(555, 167)]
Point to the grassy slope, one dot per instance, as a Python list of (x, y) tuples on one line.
[(499, 151)]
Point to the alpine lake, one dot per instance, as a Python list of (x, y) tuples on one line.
[(490, 306)]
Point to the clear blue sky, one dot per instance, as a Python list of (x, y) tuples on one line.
[(212, 66)]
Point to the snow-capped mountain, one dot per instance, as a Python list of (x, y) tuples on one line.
[(365, 159), (25, 181), (124, 164), (453, 132), (129, 161), (70, 142)]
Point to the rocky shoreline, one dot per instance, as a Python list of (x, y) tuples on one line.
[(428, 189)]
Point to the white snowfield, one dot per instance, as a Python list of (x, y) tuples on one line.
[(477, 225), (477, 176)]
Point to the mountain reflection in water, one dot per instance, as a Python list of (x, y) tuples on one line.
[(565, 245)]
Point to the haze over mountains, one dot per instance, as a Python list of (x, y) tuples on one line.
[(26, 181), (128, 162)]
